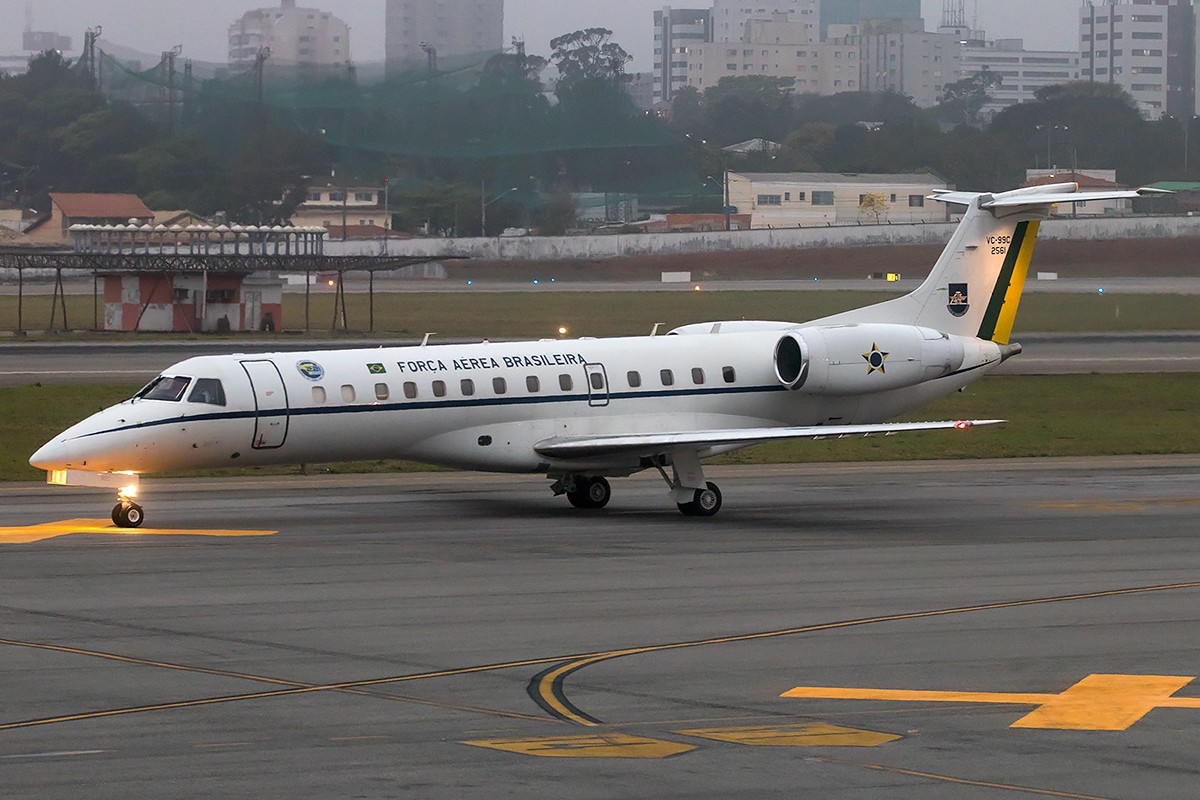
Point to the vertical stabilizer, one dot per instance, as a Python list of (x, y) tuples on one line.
[(975, 287)]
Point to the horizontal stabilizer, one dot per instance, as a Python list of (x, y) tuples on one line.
[(1035, 196), (649, 444)]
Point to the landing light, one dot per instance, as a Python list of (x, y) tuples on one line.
[(128, 492)]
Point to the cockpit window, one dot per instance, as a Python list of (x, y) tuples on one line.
[(164, 388), (208, 390)]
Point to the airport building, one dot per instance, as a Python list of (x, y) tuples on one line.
[(1149, 50), (420, 31), (295, 36), (798, 199)]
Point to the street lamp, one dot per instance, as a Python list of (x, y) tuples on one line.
[(484, 203), (1050, 129)]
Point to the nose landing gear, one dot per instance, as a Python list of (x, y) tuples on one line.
[(127, 513)]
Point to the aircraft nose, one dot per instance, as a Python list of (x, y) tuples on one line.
[(52, 455)]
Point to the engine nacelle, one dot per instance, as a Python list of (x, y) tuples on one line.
[(858, 359)]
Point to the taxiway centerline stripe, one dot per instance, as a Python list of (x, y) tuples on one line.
[(583, 660), (550, 687), (918, 695), (260, 678), (962, 781)]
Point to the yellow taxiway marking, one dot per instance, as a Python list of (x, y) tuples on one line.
[(1096, 703), (813, 734), (49, 530), (1121, 506), (590, 745)]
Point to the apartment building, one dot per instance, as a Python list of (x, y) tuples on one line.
[(729, 17), (450, 28), (678, 34), (1148, 48), (295, 36), (1022, 72)]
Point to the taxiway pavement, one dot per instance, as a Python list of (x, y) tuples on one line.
[(136, 362), (447, 635)]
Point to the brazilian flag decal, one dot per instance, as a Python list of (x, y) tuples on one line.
[(376, 369)]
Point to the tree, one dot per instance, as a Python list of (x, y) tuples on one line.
[(962, 100), (588, 55), (873, 204)]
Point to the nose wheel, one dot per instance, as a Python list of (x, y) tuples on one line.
[(128, 515)]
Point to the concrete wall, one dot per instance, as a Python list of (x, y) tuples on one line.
[(624, 245)]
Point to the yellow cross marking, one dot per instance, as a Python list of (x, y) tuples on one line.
[(813, 734), (1096, 703), (590, 745), (49, 530)]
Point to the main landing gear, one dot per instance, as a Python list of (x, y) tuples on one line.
[(705, 502), (127, 513), (590, 493)]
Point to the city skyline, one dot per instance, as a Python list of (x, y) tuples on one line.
[(203, 28)]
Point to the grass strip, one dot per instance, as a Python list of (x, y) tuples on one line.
[(1055, 415), (506, 315)]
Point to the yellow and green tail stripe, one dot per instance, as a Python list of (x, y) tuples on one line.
[(1001, 312)]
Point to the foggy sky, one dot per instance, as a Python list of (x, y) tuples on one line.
[(201, 26)]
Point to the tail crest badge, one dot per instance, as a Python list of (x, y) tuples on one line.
[(958, 304)]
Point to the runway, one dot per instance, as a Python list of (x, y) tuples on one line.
[(137, 362), (922, 630)]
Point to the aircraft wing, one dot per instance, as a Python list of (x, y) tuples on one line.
[(648, 444)]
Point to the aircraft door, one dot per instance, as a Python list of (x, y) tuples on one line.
[(270, 404), (597, 383)]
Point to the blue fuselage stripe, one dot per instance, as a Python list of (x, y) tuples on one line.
[(414, 405)]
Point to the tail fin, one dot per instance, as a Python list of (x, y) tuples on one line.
[(975, 287)]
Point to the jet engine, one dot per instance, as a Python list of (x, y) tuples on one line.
[(858, 359)]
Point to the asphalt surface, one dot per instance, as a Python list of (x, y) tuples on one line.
[(59, 363), (393, 619)]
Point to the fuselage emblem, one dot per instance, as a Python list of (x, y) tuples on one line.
[(311, 370), (958, 304), (875, 359)]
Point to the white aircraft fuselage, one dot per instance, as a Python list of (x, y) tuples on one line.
[(583, 410)]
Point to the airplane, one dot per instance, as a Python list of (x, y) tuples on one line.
[(582, 411)]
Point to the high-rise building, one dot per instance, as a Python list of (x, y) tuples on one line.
[(295, 37), (779, 47), (677, 34), (421, 31), (1147, 50), (729, 17), (899, 55), (852, 12), (1022, 72)]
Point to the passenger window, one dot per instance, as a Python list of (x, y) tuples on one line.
[(533, 384), (348, 393), (319, 395), (171, 389), (439, 388), (634, 378), (697, 376), (565, 383), (499, 385), (468, 387), (597, 381), (410, 390), (729, 374), (667, 377), (381, 391), (209, 391)]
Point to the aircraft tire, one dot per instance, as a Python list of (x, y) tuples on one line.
[(599, 492), (705, 503), (128, 515), (590, 493)]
